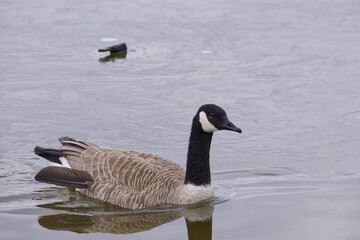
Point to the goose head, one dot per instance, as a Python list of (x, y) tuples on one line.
[(211, 118)]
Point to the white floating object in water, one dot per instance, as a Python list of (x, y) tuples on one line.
[(108, 39), (206, 52)]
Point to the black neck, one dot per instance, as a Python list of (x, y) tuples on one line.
[(198, 166)]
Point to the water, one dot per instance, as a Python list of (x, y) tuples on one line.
[(286, 72)]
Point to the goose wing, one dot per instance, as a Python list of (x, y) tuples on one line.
[(129, 179)]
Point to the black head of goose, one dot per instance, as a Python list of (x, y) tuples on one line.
[(133, 179)]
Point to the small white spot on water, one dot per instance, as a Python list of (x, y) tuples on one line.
[(108, 39), (206, 51)]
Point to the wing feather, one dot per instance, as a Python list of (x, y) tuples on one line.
[(129, 179), (132, 179)]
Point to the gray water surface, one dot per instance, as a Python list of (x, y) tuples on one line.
[(286, 72)]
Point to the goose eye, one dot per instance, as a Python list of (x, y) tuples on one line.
[(211, 115)]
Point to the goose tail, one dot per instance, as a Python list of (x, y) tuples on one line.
[(62, 174), (51, 154)]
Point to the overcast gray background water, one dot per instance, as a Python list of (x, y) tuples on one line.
[(286, 72)]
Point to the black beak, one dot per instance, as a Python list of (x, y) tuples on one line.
[(227, 125)]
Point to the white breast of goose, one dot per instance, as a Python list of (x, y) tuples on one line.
[(190, 194)]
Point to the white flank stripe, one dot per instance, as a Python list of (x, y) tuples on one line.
[(55, 164), (64, 162)]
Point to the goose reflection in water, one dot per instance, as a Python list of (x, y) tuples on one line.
[(91, 217), (113, 56)]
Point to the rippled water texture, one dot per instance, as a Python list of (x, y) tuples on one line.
[(287, 73)]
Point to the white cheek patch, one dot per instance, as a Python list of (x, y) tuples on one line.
[(205, 124)]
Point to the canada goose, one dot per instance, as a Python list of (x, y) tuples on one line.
[(134, 179), (114, 49)]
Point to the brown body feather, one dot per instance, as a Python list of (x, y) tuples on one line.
[(129, 179)]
